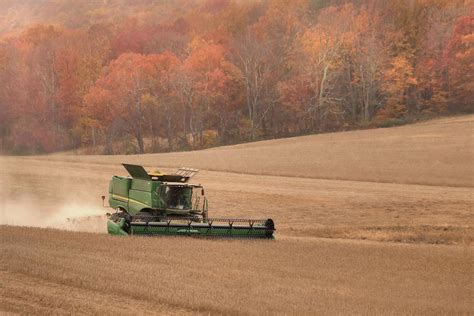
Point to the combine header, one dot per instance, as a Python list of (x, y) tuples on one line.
[(166, 204)]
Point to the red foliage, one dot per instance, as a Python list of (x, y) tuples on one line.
[(243, 69)]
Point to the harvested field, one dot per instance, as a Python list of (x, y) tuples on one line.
[(47, 270), (358, 214)]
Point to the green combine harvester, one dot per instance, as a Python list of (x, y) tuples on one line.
[(167, 204)]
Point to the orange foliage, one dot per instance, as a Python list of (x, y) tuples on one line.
[(460, 61), (399, 81), (172, 70)]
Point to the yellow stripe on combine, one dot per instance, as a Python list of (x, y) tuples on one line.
[(125, 199), (119, 197)]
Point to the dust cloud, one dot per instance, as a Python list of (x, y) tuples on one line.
[(19, 208), (29, 197), (71, 217)]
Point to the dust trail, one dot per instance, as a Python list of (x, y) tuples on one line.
[(30, 198), (72, 217)]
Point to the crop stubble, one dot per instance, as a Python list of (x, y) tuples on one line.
[(430, 201)]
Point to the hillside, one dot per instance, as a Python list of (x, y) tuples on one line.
[(438, 152), (342, 246), (364, 195)]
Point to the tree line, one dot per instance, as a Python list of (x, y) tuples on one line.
[(174, 75)]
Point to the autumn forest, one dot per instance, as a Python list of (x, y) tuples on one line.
[(116, 76)]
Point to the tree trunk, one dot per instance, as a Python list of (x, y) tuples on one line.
[(351, 95), (139, 136), (321, 98), (169, 131), (93, 137)]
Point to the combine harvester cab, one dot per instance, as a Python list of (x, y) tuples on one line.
[(167, 204)]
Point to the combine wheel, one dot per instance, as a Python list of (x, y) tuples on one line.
[(118, 215), (270, 226)]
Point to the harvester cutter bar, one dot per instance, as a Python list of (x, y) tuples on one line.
[(196, 226)]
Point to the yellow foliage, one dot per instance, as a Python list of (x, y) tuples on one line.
[(399, 78)]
